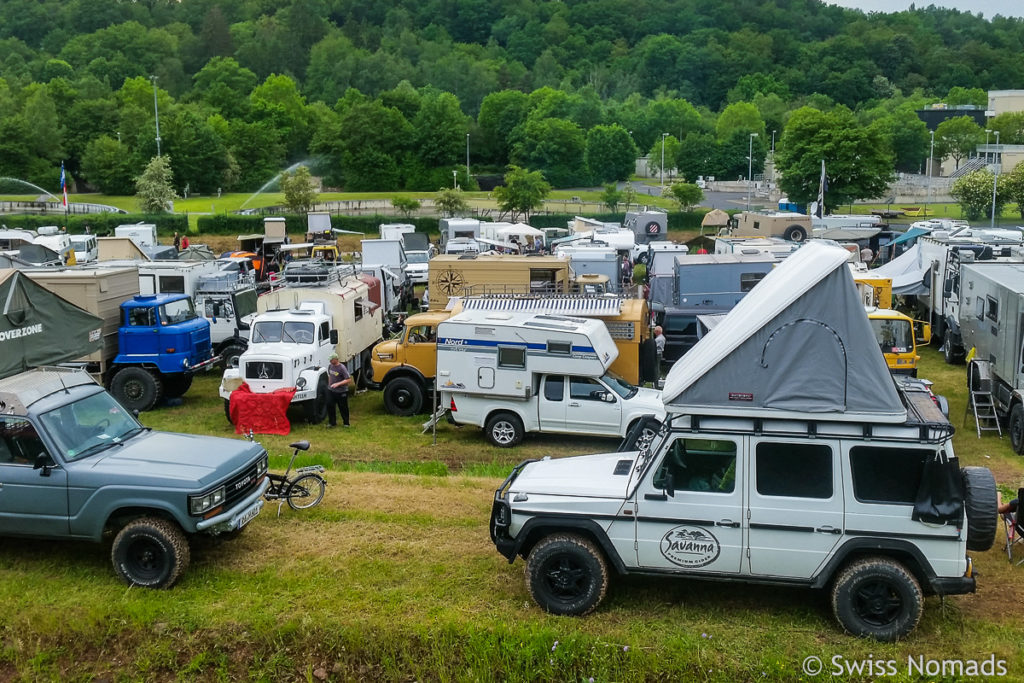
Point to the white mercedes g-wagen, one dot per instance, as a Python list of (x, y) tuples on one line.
[(789, 455)]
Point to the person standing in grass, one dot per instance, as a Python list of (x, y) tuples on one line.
[(338, 380)]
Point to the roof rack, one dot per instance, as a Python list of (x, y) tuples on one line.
[(22, 390)]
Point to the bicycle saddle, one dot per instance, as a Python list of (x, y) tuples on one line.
[(301, 445)]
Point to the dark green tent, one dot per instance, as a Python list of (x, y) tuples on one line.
[(37, 327)]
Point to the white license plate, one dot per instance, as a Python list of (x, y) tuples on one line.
[(250, 514)]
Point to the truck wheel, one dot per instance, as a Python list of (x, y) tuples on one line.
[(504, 430), (176, 385), (795, 233), (365, 371), (980, 502), (952, 352), (316, 408), (1017, 429), (566, 574), (150, 552), (136, 388), (229, 356), (403, 396), (227, 410), (877, 597)]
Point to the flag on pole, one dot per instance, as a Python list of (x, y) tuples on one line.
[(822, 189), (63, 185)]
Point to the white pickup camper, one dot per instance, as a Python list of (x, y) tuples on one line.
[(512, 373)]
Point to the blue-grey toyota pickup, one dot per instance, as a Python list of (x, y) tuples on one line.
[(75, 464)]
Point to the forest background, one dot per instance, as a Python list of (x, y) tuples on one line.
[(384, 96)]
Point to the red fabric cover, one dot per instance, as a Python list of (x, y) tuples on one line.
[(262, 413)]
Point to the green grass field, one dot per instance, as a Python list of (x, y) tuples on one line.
[(394, 578)]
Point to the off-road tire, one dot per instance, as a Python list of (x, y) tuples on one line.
[(136, 388), (877, 597), (150, 552), (1016, 429), (230, 353), (365, 377), (980, 502), (306, 491), (176, 385), (567, 575), (504, 430), (952, 353), (795, 233), (404, 396), (315, 409)]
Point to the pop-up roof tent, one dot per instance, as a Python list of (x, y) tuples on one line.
[(37, 327), (798, 343), (908, 272)]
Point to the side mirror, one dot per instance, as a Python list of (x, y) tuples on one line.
[(43, 462), (334, 337), (607, 397)]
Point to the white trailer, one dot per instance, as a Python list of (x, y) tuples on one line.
[(143, 234), (512, 373)]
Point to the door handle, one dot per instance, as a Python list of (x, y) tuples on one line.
[(828, 530), (574, 404), (728, 523)]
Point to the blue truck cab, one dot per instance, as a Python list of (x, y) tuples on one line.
[(162, 342)]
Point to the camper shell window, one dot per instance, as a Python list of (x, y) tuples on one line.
[(776, 463), (992, 309), (511, 356), (562, 348), (890, 476)]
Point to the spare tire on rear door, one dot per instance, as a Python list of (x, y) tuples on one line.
[(980, 503), (649, 370)]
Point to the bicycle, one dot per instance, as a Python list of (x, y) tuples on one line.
[(303, 490)]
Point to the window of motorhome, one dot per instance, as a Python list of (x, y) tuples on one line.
[(748, 280), (172, 284), (358, 307), (511, 356), (979, 309), (992, 310)]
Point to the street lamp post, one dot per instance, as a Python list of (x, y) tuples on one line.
[(156, 115), (663, 136), (995, 177), (467, 157), (750, 166), (773, 144), (931, 157), (455, 179), (988, 131)]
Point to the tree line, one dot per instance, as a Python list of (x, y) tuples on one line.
[(391, 96)]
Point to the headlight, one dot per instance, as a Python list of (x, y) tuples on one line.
[(261, 466), (197, 505), (301, 383)]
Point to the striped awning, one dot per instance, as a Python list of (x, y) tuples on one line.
[(588, 306)]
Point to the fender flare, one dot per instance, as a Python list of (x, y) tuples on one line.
[(915, 560), (543, 525)]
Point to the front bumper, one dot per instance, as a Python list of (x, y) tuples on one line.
[(501, 516), (225, 517)]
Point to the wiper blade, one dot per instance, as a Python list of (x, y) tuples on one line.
[(95, 448), (129, 434)]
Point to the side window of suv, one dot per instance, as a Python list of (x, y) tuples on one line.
[(795, 470), (887, 475), (699, 465), (19, 442)]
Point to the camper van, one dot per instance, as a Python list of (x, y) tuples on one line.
[(86, 248), (513, 373)]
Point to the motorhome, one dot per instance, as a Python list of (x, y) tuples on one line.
[(472, 274), (458, 228), (795, 227), (992, 324), (513, 373), (594, 259), (776, 247), (844, 227)]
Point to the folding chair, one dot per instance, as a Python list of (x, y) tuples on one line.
[(1013, 524)]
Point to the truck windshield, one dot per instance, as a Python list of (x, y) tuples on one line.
[(271, 331), (177, 312), (893, 336), (416, 257), (89, 425), (619, 385)]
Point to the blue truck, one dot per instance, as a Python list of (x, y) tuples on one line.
[(162, 343)]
